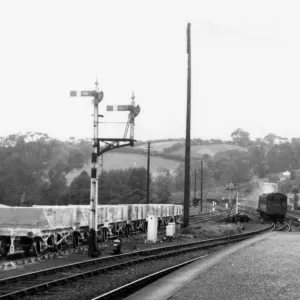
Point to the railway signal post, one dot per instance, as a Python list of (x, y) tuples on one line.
[(232, 187), (98, 96), (111, 143)]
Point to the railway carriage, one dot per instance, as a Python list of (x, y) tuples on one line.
[(54, 227), (273, 205)]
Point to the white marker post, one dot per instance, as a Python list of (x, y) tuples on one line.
[(237, 203)]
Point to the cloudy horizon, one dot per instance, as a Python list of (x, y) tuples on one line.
[(245, 66)]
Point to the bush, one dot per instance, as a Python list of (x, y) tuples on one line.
[(211, 231), (188, 230)]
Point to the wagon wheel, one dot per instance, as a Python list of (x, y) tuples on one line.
[(70, 240), (104, 234), (4, 249), (58, 247), (26, 249), (75, 239), (38, 247), (127, 230), (26, 245)]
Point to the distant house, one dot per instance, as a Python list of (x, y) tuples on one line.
[(279, 140), (284, 175)]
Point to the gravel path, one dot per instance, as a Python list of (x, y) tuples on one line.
[(266, 270)]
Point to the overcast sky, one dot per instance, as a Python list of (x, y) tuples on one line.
[(245, 66)]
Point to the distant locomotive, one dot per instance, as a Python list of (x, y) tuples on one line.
[(273, 205)]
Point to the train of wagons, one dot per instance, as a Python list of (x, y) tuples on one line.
[(40, 228), (273, 205)]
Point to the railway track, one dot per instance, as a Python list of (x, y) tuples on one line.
[(293, 215), (207, 219), (286, 227), (132, 287), (201, 218), (293, 220), (37, 282), (282, 227)]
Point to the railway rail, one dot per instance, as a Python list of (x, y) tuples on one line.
[(291, 216), (282, 227), (201, 218), (130, 288), (35, 282)]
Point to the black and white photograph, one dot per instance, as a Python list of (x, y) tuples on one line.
[(149, 150)]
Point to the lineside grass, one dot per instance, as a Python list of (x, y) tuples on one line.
[(206, 230)]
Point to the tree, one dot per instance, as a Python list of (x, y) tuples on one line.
[(162, 185), (79, 189), (179, 177), (281, 158), (295, 191), (240, 137), (58, 184), (257, 154), (205, 157), (270, 138)]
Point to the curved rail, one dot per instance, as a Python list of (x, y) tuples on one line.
[(201, 218), (292, 216), (129, 288), (31, 282), (206, 219)]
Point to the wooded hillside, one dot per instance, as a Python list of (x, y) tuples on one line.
[(40, 167)]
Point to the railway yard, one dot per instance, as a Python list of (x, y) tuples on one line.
[(200, 201), (70, 274)]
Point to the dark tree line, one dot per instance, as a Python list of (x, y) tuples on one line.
[(121, 187), (36, 165)]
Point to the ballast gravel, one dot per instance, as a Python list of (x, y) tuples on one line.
[(268, 269), (129, 245), (91, 287)]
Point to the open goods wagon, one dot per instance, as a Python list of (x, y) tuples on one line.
[(43, 227), (273, 205)]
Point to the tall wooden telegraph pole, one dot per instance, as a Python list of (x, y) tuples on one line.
[(201, 188), (148, 173), (188, 135)]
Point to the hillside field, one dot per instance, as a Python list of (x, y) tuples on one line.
[(199, 150), (159, 146), (113, 161)]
